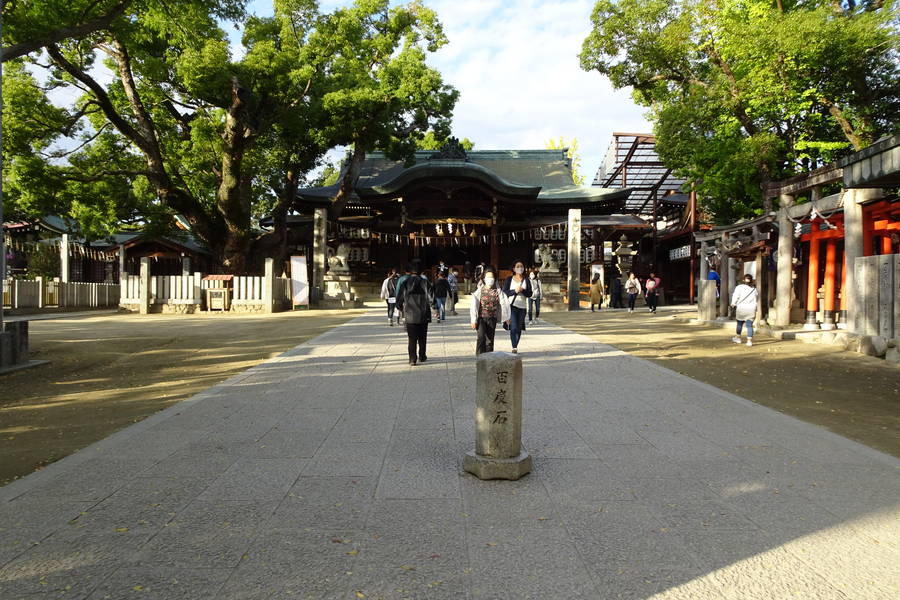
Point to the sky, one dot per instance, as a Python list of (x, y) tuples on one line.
[(516, 67)]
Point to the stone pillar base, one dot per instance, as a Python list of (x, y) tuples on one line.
[(484, 467)]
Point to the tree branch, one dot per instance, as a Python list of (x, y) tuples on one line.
[(58, 35)]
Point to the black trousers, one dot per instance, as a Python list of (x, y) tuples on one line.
[(486, 330), (418, 336), (652, 300)]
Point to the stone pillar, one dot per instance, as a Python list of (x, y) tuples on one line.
[(724, 281), (498, 419), (269, 286), (320, 253), (573, 260), (704, 264), (145, 286), (16, 352), (185, 266), (64, 259), (706, 306), (783, 280), (854, 245), (122, 273), (762, 306), (42, 291)]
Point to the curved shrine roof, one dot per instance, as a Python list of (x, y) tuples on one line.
[(541, 177)]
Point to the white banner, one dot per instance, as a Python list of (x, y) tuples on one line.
[(299, 282)]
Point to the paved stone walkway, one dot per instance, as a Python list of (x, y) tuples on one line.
[(333, 471)]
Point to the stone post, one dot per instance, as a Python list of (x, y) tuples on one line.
[(574, 259), (122, 273), (498, 419), (320, 253), (64, 259), (784, 269), (853, 249), (185, 266), (724, 280), (269, 286), (145, 286), (42, 290), (704, 264)]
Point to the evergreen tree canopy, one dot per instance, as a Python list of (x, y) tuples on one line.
[(169, 122), (743, 92)]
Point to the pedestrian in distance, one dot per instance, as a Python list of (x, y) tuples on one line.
[(596, 292), (537, 292), (651, 292), (453, 298), (389, 295), (632, 289), (518, 288), (441, 293), (406, 275), (489, 306), (615, 293), (745, 300), (415, 300)]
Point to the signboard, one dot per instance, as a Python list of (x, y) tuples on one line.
[(680, 253), (299, 282)]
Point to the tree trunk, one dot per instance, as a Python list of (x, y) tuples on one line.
[(233, 195), (348, 181)]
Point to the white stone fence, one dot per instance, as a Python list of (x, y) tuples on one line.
[(183, 294), (40, 293)]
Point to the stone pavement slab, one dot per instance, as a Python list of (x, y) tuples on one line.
[(334, 471)]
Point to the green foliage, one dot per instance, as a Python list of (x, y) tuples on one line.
[(745, 92), (184, 128), (430, 141), (43, 261), (572, 153)]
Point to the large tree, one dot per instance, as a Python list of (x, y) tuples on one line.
[(185, 128), (745, 92)]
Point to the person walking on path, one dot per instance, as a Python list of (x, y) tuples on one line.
[(441, 292), (453, 298), (389, 295), (537, 292), (518, 288), (596, 292), (489, 306), (632, 288), (745, 300), (651, 293), (615, 293), (415, 299), (406, 275)]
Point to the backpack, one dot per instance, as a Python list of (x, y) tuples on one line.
[(392, 287)]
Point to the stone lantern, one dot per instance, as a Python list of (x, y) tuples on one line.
[(624, 258)]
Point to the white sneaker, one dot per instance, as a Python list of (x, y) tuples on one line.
[(749, 342), (736, 340)]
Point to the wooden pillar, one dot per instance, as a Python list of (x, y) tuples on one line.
[(886, 246), (812, 283), (320, 254), (842, 312), (144, 287), (830, 279), (762, 307), (784, 273), (64, 259), (495, 238)]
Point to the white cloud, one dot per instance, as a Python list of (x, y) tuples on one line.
[(516, 66)]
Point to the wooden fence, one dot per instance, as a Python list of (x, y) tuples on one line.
[(24, 293)]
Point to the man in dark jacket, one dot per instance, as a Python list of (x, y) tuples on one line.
[(441, 292), (415, 299)]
